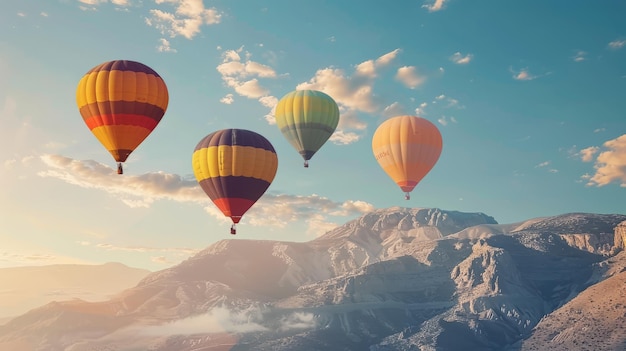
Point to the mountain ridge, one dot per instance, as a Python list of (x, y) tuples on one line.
[(392, 279)]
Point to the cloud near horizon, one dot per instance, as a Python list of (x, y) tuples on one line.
[(223, 320), (274, 210), (609, 165)]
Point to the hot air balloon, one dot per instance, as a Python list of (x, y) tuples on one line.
[(307, 118), (121, 102), (234, 167), (407, 148)]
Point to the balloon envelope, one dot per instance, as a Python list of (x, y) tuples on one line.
[(407, 148), (234, 167), (121, 102), (307, 119)]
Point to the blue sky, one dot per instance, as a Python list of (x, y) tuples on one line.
[(529, 97)]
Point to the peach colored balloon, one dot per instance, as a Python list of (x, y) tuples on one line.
[(407, 148)]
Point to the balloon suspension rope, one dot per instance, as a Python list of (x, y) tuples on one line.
[(233, 229), (407, 196), (119, 168)]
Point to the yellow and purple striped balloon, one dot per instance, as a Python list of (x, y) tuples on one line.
[(121, 102), (234, 167)]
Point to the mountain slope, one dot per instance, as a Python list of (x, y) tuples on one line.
[(393, 279)]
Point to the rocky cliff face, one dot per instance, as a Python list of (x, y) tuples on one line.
[(620, 236), (394, 279)]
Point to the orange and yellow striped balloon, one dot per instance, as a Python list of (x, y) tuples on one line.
[(121, 102), (407, 148), (234, 167)]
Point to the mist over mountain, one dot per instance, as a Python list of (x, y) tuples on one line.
[(23, 288), (393, 279)]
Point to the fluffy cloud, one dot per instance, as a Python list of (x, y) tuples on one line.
[(587, 154), (409, 77), (610, 165), (274, 210), (242, 75), (459, 59), (186, 19), (523, 74), (354, 93), (435, 5)]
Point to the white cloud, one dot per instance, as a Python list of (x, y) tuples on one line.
[(587, 154), (580, 56), (143, 190), (227, 99), (298, 320), (459, 59), (243, 76), (186, 20), (444, 121), (164, 46), (409, 77), (617, 44), (420, 110), (523, 74), (435, 5), (217, 320), (341, 137), (543, 164), (610, 165)]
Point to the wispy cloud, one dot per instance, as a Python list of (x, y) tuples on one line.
[(110, 247), (434, 5), (165, 46), (274, 210), (617, 44), (92, 5), (523, 74), (444, 121), (461, 59), (543, 164), (185, 19), (224, 320), (580, 56), (610, 165)]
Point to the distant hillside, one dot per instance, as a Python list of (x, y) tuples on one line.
[(24, 288)]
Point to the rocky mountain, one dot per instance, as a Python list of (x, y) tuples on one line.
[(24, 288), (393, 279)]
